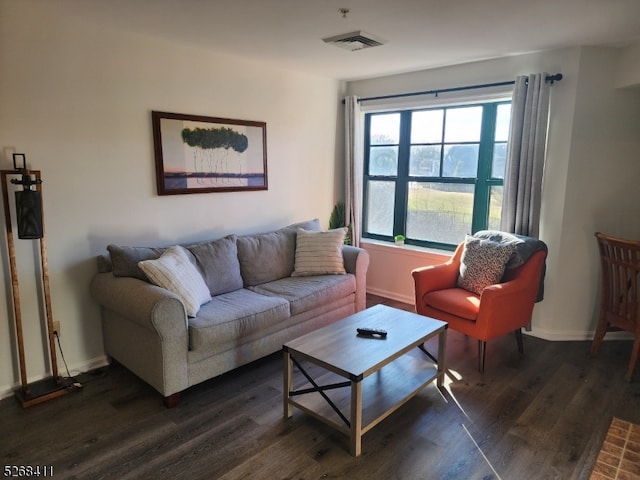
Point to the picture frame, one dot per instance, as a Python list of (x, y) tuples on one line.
[(200, 154)]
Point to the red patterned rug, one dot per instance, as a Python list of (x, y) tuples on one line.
[(619, 458)]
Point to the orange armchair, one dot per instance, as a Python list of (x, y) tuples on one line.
[(500, 309)]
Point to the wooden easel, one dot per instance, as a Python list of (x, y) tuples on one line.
[(52, 386)]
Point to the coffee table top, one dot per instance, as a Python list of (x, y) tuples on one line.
[(338, 347)]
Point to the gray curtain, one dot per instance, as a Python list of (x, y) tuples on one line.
[(353, 167), (525, 156)]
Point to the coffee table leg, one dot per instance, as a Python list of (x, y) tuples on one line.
[(287, 384), (356, 418), (442, 343)]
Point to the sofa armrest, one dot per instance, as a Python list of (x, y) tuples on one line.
[(145, 329), (356, 261), (141, 302)]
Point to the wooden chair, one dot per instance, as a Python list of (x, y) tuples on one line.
[(620, 292), (499, 310)]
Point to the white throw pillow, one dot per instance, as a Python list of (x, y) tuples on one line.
[(175, 272), (319, 253)]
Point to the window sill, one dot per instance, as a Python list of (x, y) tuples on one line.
[(409, 250)]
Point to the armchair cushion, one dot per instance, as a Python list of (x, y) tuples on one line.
[(454, 301), (482, 263)]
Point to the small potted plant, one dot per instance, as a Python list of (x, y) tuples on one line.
[(399, 239)]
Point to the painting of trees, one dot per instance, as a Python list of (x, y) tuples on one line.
[(216, 152), (197, 154)]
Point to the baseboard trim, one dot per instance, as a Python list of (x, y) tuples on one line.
[(576, 336), (391, 295), (101, 361)]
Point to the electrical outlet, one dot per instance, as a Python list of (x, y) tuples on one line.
[(56, 327)]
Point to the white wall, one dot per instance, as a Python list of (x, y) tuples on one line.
[(591, 176), (628, 68), (76, 99), (601, 193)]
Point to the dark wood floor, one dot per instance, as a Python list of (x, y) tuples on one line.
[(543, 415)]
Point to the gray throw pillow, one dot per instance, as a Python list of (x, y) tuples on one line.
[(125, 260), (218, 263)]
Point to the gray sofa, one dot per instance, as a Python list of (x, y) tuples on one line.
[(256, 305)]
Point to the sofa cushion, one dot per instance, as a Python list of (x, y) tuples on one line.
[(234, 318), (307, 293), (124, 260), (482, 263), (175, 272), (267, 256), (312, 225), (218, 263), (319, 253), (456, 301)]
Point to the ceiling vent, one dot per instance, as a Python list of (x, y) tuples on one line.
[(355, 41)]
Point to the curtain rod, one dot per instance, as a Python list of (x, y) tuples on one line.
[(549, 78)]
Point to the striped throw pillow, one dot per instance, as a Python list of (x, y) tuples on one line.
[(319, 253), (174, 271)]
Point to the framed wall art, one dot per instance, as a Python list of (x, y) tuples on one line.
[(197, 154)]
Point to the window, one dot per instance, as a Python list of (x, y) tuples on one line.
[(435, 174)]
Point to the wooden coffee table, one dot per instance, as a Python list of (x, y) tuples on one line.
[(381, 373)]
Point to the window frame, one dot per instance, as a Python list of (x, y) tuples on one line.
[(482, 182)]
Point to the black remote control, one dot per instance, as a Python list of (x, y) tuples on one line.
[(372, 331)]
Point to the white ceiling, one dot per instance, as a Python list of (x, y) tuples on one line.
[(420, 33)]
